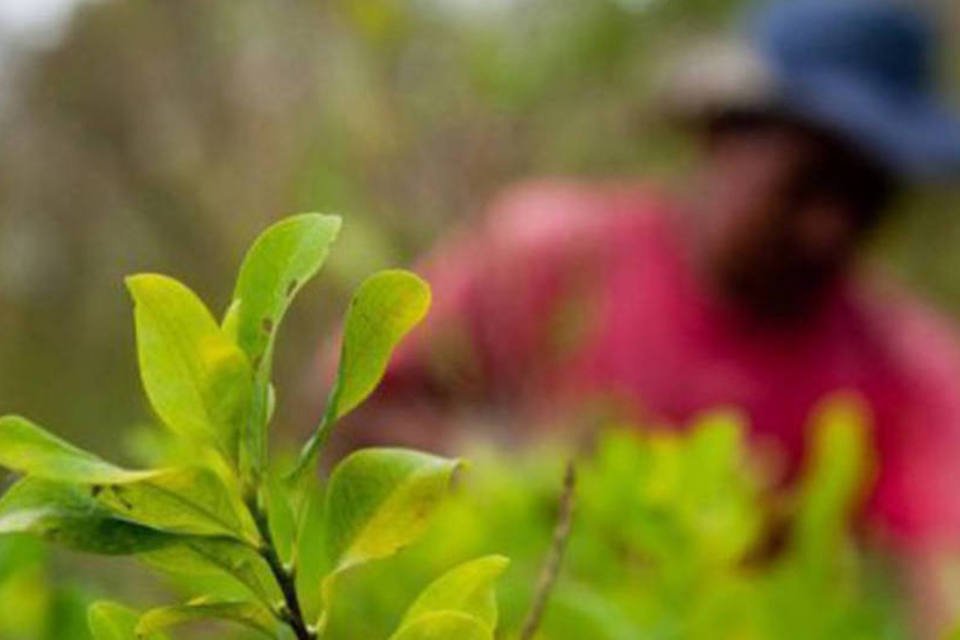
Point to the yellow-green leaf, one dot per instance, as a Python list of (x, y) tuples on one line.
[(467, 588), (197, 379), (248, 614), (280, 262), (111, 621), (384, 309), (191, 500), (69, 515), (444, 625), (380, 500), (29, 449), (204, 558), (284, 258), (837, 475)]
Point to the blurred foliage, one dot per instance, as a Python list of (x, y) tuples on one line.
[(675, 536), (34, 603)]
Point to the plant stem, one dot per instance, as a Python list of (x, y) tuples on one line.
[(551, 566), (293, 614)]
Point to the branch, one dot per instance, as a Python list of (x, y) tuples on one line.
[(291, 612), (551, 566)]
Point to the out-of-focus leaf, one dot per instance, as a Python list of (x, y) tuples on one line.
[(25, 601), (111, 621), (384, 309), (380, 500), (248, 614), (467, 588), (836, 477), (29, 449), (444, 625), (71, 516), (207, 558), (279, 263), (196, 378)]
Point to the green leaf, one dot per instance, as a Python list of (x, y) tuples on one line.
[(444, 625), (380, 500), (231, 321), (192, 500), (836, 478), (467, 588), (69, 515), (280, 262), (384, 309), (111, 621), (248, 614), (189, 501), (28, 449), (204, 558), (198, 381), (281, 517)]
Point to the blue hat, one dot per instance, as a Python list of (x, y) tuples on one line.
[(862, 70)]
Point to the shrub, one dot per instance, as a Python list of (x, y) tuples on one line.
[(228, 510)]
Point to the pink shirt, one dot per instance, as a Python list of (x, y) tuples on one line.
[(572, 290)]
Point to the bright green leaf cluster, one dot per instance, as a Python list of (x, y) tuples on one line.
[(229, 513)]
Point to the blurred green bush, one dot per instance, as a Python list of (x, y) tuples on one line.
[(35, 602), (675, 537)]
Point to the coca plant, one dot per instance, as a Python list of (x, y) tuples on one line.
[(226, 508)]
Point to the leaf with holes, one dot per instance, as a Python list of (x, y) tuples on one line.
[(279, 263), (284, 258), (70, 516)]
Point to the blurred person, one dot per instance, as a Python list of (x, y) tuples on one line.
[(741, 292)]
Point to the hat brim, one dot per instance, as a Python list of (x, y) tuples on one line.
[(916, 139)]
